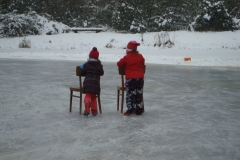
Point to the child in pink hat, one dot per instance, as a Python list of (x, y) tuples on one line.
[(133, 62)]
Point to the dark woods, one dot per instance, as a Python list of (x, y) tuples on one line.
[(135, 15)]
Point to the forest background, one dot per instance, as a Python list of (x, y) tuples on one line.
[(19, 17)]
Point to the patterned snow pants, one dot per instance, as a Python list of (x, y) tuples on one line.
[(134, 93)]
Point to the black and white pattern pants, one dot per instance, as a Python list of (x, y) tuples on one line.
[(134, 93)]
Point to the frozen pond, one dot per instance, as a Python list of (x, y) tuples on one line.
[(191, 113)]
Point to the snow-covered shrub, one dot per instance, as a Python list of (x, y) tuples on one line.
[(51, 27), (159, 23), (237, 21), (14, 25), (20, 24), (25, 43), (214, 17), (157, 40), (163, 39), (110, 44), (169, 21)]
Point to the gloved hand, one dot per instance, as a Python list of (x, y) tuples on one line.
[(81, 66)]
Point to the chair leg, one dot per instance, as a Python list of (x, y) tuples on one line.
[(99, 104), (80, 109), (143, 107), (122, 101), (118, 92), (71, 93)]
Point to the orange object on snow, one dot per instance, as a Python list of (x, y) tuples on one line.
[(187, 59)]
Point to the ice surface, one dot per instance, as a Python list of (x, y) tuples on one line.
[(191, 113)]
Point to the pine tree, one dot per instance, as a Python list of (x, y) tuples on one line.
[(123, 17), (214, 17)]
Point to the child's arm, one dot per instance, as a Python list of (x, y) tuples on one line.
[(82, 71), (101, 71), (101, 68), (121, 62)]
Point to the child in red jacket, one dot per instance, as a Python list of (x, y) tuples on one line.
[(133, 62), (92, 70)]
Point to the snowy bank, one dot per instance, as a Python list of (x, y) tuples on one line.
[(205, 48)]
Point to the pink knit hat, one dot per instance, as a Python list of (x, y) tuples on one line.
[(133, 45)]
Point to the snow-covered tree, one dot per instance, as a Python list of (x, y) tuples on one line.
[(233, 7), (214, 17), (133, 15), (123, 17), (104, 12)]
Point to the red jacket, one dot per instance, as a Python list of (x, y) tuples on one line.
[(133, 63)]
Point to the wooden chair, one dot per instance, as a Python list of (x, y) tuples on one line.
[(79, 89), (121, 89)]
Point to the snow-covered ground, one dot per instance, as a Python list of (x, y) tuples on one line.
[(204, 49)]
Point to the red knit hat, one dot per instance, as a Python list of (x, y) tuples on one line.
[(94, 53), (133, 45)]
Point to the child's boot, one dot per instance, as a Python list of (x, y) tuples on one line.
[(128, 112), (139, 111), (94, 112), (87, 109)]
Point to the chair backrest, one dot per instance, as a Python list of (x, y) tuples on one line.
[(121, 71), (78, 73), (78, 70)]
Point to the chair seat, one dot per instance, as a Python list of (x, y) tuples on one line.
[(121, 88), (76, 89)]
